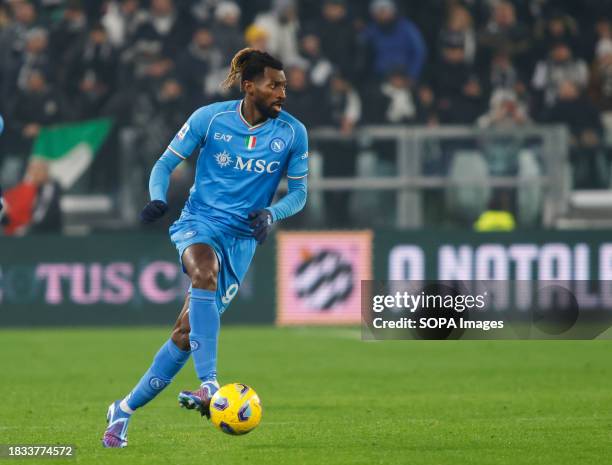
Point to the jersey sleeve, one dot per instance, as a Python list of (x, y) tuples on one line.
[(298, 156), (192, 133)]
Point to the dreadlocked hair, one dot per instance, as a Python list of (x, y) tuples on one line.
[(247, 64)]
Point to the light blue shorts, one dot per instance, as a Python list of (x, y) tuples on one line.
[(234, 253)]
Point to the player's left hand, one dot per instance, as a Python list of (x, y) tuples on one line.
[(261, 224), (153, 211)]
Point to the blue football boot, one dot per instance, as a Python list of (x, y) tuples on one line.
[(199, 399), (116, 431)]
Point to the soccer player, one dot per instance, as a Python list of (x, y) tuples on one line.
[(245, 148)]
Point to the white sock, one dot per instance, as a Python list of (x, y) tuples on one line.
[(123, 405)]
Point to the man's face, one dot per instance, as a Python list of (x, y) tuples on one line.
[(504, 14), (454, 55), (311, 44), (383, 15), (98, 36), (333, 12), (561, 53), (296, 78), (37, 172), (37, 43), (24, 12), (268, 92), (36, 82), (129, 6), (203, 38), (161, 7)]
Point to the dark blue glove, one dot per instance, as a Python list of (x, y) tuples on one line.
[(154, 210), (261, 224)]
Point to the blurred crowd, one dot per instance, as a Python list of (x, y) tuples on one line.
[(149, 63)]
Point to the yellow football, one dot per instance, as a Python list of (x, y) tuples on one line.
[(235, 409)]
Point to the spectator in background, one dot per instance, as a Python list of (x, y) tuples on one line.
[(459, 30), (5, 21), (201, 59), (603, 31), (460, 96), (226, 30), (343, 104), (148, 87), (304, 100), (39, 104), (121, 21), (171, 105), (337, 36), (33, 206), (165, 31), (13, 36), (281, 24), (203, 10), (340, 107), (160, 68), (319, 67), (12, 45), (256, 37), (503, 75), (35, 57), (393, 42), (557, 27), (427, 106), (600, 86), (91, 73), (559, 67), (573, 108), (69, 32), (504, 32), (505, 111), (392, 102)]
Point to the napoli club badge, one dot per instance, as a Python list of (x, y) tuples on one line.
[(277, 145)]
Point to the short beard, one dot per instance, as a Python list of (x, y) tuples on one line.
[(266, 111)]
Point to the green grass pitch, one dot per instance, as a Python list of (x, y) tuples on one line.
[(328, 398)]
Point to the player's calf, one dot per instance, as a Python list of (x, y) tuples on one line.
[(180, 333)]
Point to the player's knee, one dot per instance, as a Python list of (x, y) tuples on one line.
[(180, 337), (204, 278)]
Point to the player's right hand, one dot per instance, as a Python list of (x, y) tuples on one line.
[(154, 210)]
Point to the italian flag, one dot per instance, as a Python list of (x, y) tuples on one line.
[(250, 142), (70, 148)]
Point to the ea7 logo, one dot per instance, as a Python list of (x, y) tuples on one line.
[(223, 137), (256, 165)]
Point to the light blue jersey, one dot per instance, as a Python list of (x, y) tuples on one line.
[(238, 171), (239, 166)]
